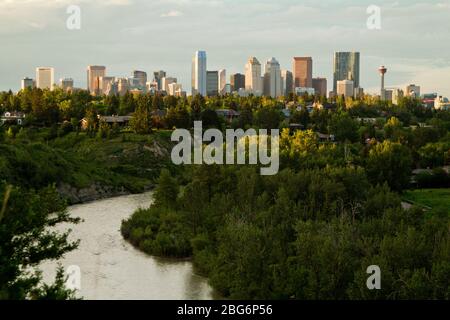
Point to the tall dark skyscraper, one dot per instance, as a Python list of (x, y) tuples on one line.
[(346, 67), (237, 81)]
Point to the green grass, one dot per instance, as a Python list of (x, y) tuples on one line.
[(436, 199)]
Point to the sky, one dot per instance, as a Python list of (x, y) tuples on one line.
[(125, 35)]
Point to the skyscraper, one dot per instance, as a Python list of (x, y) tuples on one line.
[(272, 78), (222, 81), (237, 81), (199, 73), (287, 80), (320, 86), (45, 78), (157, 76), (165, 82), (302, 69), (346, 67), (253, 80), (27, 83), (66, 84), (94, 73), (141, 77), (412, 91), (212, 83)]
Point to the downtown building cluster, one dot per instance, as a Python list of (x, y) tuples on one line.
[(258, 80)]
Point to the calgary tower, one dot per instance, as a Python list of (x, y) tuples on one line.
[(382, 71)]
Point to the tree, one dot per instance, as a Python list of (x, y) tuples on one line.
[(25, 241), (167, 191), (141, 121), (389, 162), (344, 128)]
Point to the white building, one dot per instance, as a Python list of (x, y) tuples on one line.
[(45, 78), (166, 81), (199, 73), (253, 79), (441, 103), (222, 81), (397, 95), (174, 89), (272, 79), (345, 88)]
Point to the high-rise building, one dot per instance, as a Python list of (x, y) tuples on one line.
[(165, 82), (287, 81), (105, 85), (346, 67), (302, 69), (174, 89), (237, 81), (222, 81), (253, 80), (272, 78), (199, 73), (94, 73), (345, 88), (45, 78), (412, 91), (122, 86), (27, 83), (141, 76), (157, 76), (212, 83), (66, 84), (320, 86)]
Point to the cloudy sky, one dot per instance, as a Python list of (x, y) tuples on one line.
[(414, 40)]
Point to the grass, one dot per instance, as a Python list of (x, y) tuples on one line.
[(436, 199)]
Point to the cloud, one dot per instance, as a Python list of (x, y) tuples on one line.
[(172, 14)]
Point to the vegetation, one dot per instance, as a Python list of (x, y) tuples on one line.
[(309, 232), (436, 199)]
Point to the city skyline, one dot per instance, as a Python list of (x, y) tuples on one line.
[(230, 32)]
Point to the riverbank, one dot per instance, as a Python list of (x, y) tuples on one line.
[(111, 268), (85, 168)]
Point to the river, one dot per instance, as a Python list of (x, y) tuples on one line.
[(111, 268)]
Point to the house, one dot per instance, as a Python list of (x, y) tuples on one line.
[(228, 114), (325, 137), (13, 117), (121, 121)]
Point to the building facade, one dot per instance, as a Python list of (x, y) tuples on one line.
[(237, 82), (272, 79), (345, 88), (45, 78), (222, 81), (212, 83), (66, 84), (346, 67), (27, 83), (302, 69), (199, 73), (253, 79), (320, 86), (287, 82), (94, 73)]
